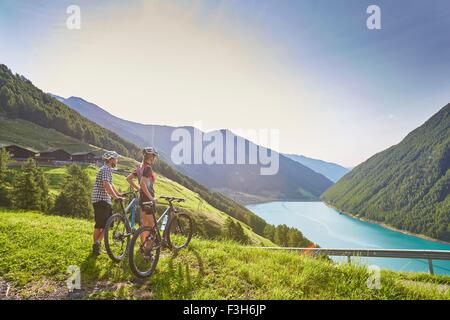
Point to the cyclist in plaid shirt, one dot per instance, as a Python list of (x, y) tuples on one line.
[(102, 195)]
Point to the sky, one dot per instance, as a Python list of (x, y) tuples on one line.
[(312, 69)]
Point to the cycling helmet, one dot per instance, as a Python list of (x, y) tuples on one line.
[(150, 150), (110, 155)]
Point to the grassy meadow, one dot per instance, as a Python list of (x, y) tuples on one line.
[(36, 249)]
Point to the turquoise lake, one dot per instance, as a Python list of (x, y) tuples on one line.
[(330, 229)]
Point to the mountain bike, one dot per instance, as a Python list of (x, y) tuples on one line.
[(119, 228), (146, 243)]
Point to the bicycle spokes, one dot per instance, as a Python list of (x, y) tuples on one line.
[(145, 252), (116, 237), (180, 231)]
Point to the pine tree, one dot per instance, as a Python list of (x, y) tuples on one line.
[(4, 161), (229, 227), (294, 239), (26, 192), (234, 231), (30, 190), (281, 235), (269, 232), (45, 201), (74, 199), (240, 234)]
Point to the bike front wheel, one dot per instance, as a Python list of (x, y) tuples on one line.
[(117, 237), (145, 248), (181, 229)]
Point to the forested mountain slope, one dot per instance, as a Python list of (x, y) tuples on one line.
[(406, 186)]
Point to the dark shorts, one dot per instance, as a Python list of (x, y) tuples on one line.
[(147, 208), (102, 211)]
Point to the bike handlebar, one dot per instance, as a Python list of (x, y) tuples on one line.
[(167, 198), (128, 193), (172, 199)]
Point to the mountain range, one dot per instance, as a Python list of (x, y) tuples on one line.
[(242, 182), (330, 170)]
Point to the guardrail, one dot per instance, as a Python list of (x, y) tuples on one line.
[(429, 255)]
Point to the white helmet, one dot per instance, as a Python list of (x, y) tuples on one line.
[(150, 150), (110, 155)]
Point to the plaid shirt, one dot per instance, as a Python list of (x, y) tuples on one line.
[(99, 193)]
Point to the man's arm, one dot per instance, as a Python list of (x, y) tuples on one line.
[(110, 190), (116, 191)]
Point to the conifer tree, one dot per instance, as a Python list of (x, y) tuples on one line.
[(30, 190), (4, 161), (74, 199)]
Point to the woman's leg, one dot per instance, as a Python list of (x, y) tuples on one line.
[(148, 220)]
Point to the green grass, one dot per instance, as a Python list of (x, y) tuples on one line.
[(36, 249)]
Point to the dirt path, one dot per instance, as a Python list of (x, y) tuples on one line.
[(45, 289)]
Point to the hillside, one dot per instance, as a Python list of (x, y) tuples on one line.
[(26, 133), (21, 100), (243, 183), (406, 186), (44, 246), (330, 170)]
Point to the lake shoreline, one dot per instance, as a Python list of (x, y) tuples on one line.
[(421, 236), (418, 235)]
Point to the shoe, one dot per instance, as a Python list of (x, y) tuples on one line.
[(96, 249)]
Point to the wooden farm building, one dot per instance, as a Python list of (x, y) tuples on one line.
[(54, 154), (84, 157), (49, 156), (18, 152)]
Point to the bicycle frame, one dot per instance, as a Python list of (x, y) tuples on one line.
[(133, 206), (167, 212), (170, 211)]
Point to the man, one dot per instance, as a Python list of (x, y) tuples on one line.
[(102, 193)]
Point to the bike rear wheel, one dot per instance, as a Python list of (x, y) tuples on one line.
[(181, 229), (117, 237), (145, 248)]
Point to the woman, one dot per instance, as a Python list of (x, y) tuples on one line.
[(146, 178)]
